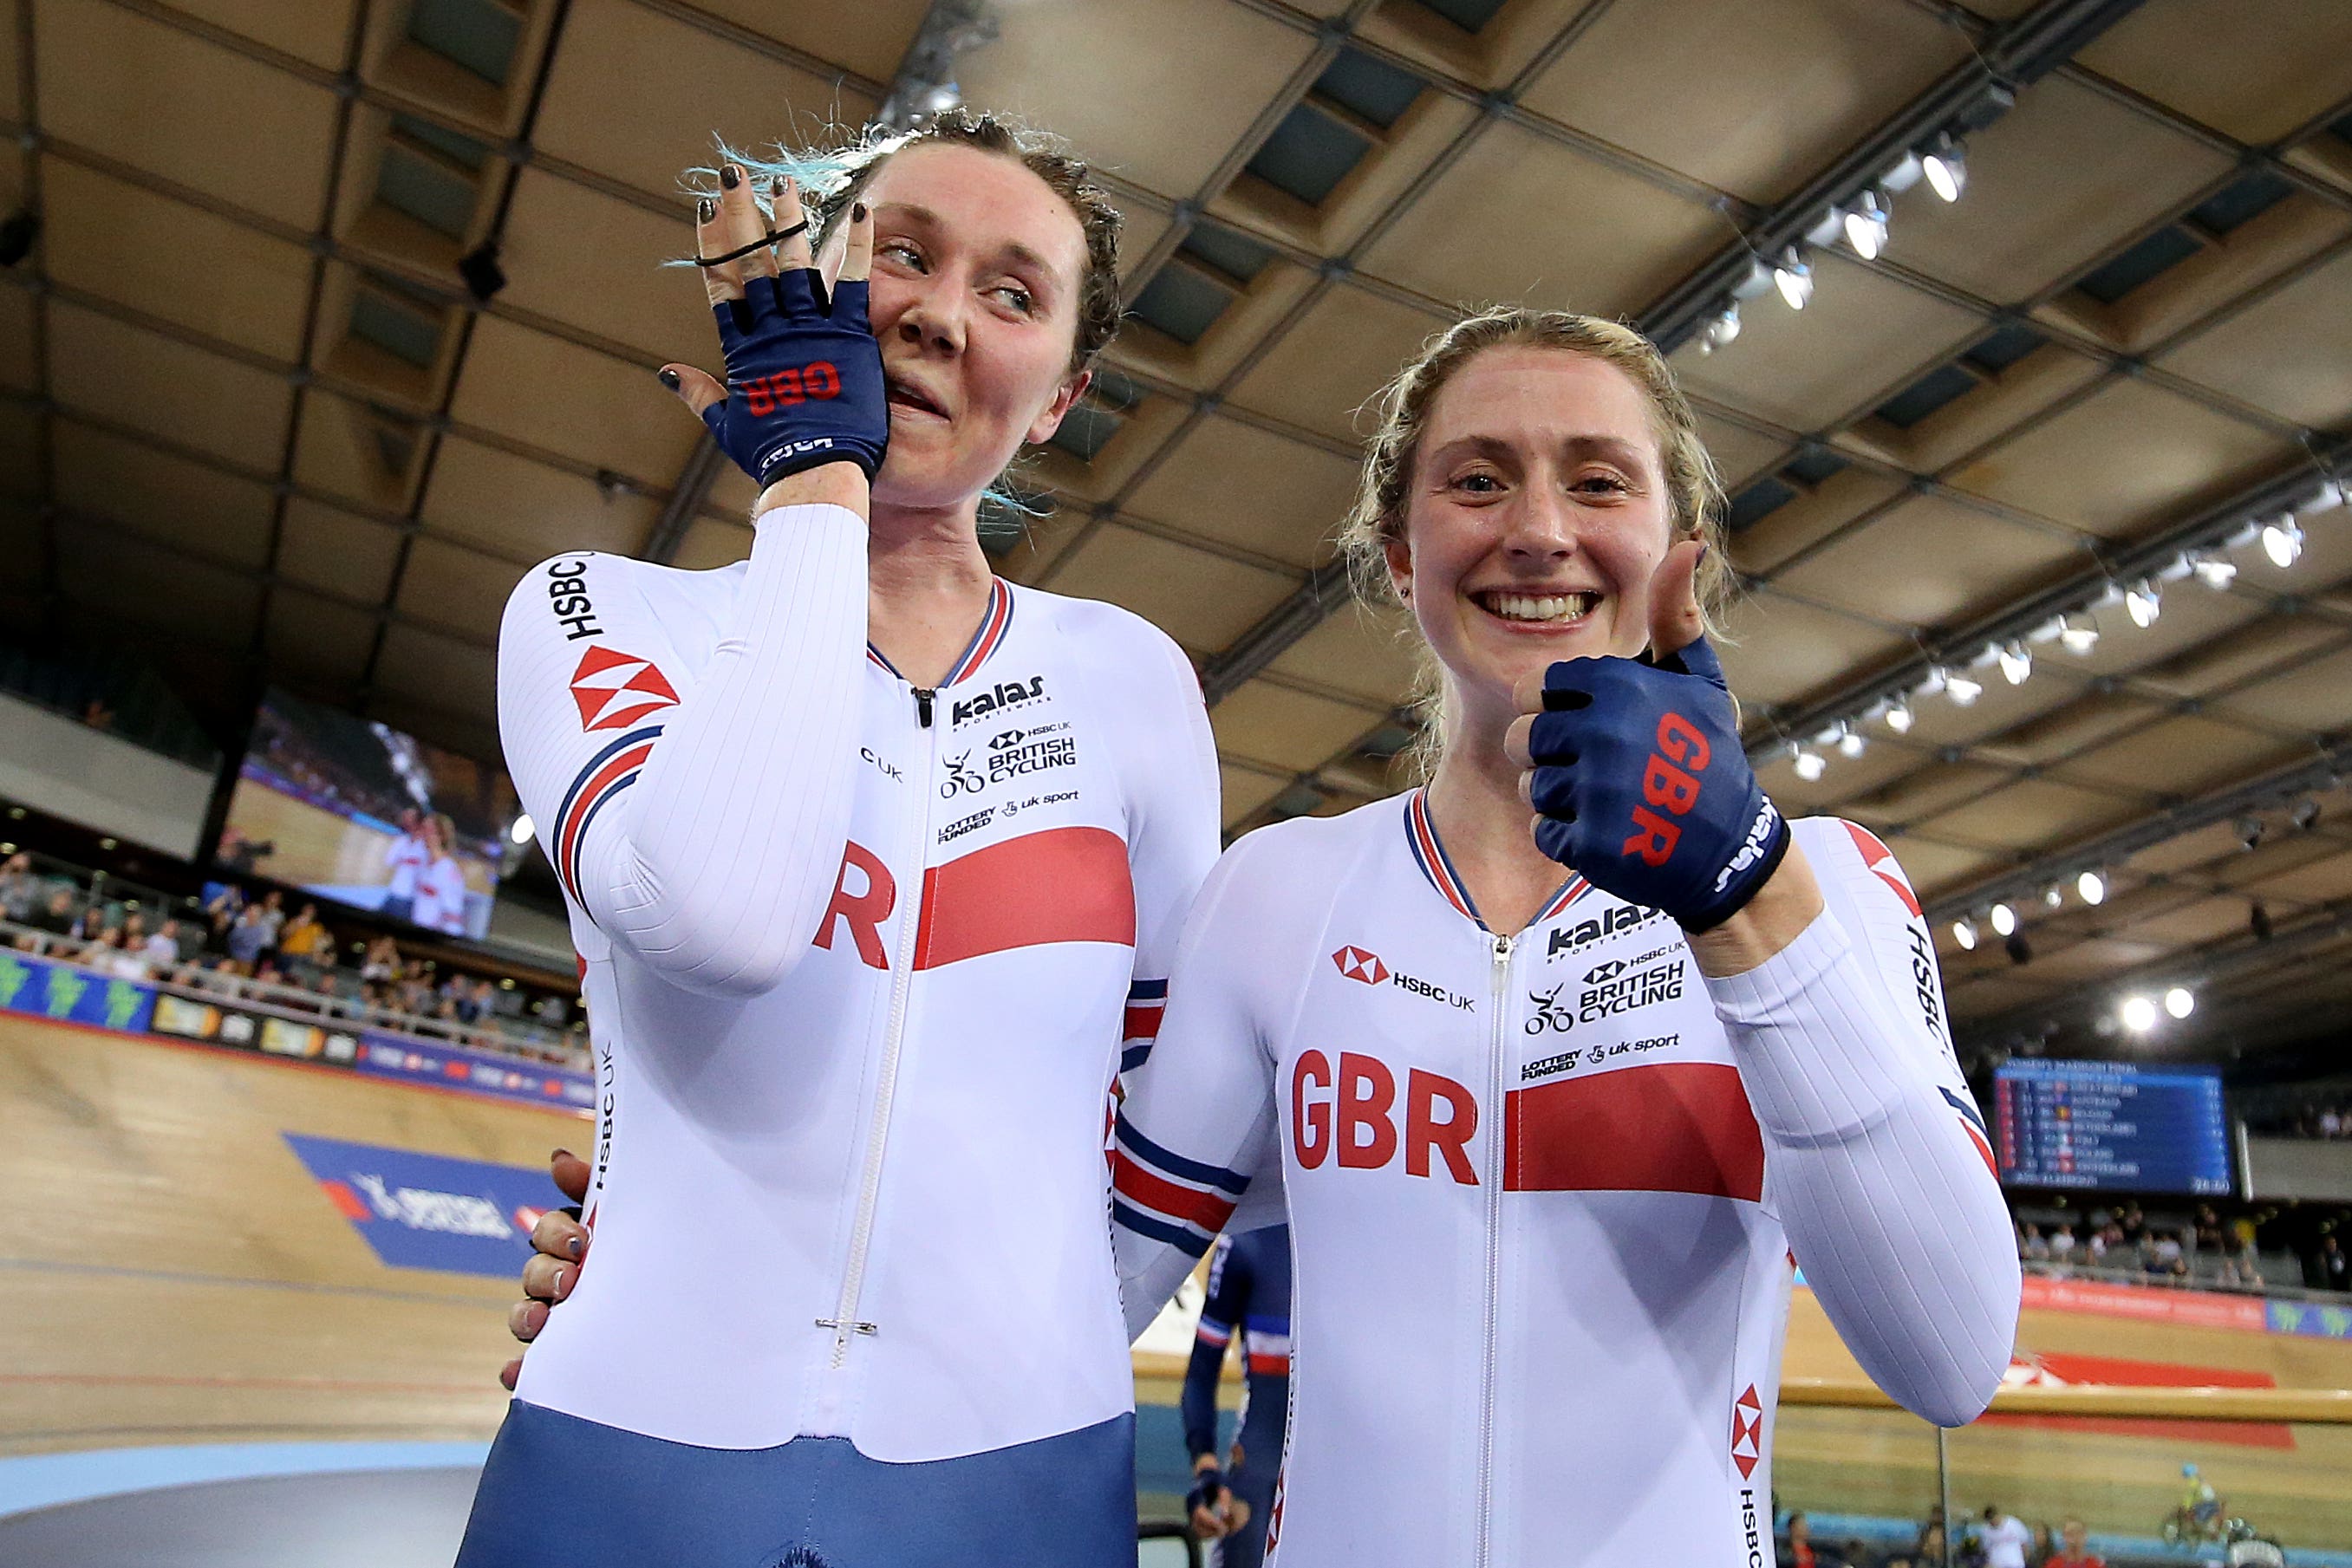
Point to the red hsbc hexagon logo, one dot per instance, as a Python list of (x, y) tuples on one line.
[(614, 690), (1358, 965), (1883, 866), (1747, 1432)]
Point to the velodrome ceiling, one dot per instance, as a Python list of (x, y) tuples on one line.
[(253, 420)]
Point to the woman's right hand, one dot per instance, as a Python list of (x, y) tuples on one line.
[(560, 1245), (805, 393)]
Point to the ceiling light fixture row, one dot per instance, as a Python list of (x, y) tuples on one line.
[(2077, 630), (2090, 886), (1861, 221)]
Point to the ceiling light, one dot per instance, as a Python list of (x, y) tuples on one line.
[(2145, 602), (2329, 497), (2250, 832), (1793, 278), (2305, 814), (2179, 1001), (1898, 716), (1938, 679), (2004, 919), (2283, 540), (1807, 764), (2216, 572), (1946, 166), (521, 829), (2137, 1013), (1865, 224), (2016, 664), (2054, 896), (1850, 742), (1964, 932), (2092, 886), (2080, 634), (1962, 689), (1719, 329)]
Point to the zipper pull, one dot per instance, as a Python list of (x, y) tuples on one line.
[(923, 696)]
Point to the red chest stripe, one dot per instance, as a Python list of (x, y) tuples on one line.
[(1671, 1127), (1066, 885)]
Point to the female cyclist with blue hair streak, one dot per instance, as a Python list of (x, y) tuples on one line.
[(876, 863)]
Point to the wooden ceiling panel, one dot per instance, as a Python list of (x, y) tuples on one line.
[(1929, 562), (216, 277), (1558, 257), (317, 638), (1865, 333), (338, 552), (1814, 513), (869, 39), (20, 452), (1320, 373), (158, 589), (2128, 453), (2060, 179), (1776, 649), (1934, 867), (184, 395), (710, 544), (455, 589), (1247, 787), (1158, 91), (686, 85), (2280, 851), (1853, 777), (2289, 353), (150, 96), (2030, 813), (2188, 852), (609, 414), (153, 492), (2090, 963), (2316, 696), (2191, 615), (2184, 756), (2272, 66), (1740, 451), (2272, 642), (1269, 723), (438, 670), (17, 308), (1235, 483), (317, 31), (598, 264), (1204, 600), (2321, 880), (1763, 95), (361, 454), (1367, 653), (526, 511), (2088, 719)]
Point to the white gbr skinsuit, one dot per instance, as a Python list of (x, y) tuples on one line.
[(1543, 1189), (860, 960)]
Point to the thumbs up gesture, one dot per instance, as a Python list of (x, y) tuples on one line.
[(1636, 771)]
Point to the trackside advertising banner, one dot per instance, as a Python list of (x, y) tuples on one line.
[(408, 1060), (72, 995), (430, 1211)]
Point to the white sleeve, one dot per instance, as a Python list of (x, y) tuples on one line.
[(1172, 840), (1198, 1122), (1877, 1160), (695, 816)]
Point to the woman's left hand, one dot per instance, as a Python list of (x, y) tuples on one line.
[(1636, 773)]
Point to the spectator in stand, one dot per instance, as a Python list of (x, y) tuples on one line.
[(2061, 1244), (404, 859), (163, 949), (304, 943), (2161, 1253), (1800, 1554), (2030, 1246), (2004, 1539), (246, 939), (273, 921), (240, 856), (2332, 1271), (20, 888), (2072, 1551), (58, 916), (486, 1002), (2331, 1123), (382, 961)]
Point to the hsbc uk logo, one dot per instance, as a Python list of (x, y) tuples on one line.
[(1747, 1432), (614, 690), (1358, 965)]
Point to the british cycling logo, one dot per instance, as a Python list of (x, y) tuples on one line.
[(1002, 695), (1550, 1014), (1025, 754), (1616, 987), (1576, 938), (962, 778), (614, 690)]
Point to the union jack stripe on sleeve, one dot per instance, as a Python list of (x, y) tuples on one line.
[(1168, 1198), (1147, 1001), (1971, 1120), (1212, 1332), (609, 772)]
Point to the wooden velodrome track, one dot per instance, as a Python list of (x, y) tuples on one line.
[(168, 1274)]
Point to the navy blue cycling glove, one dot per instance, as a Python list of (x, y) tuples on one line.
[(1643, 786), (804, 378)]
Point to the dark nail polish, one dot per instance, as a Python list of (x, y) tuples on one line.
[(571, 1246), (776, 187), (731, 176), (705, 210), (668, 379), (857, 213)]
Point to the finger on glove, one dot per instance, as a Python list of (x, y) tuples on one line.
[(724, 281), (1553, 791), (510, 1373), (1555, 839), (1567, 686), (741, 222), (1556, 739)]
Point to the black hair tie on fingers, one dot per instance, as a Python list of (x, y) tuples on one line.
[(742, 251)]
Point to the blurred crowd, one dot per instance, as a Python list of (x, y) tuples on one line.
[(2329, 1118), (2229, 1247), (1992, 1539), (289, 957)]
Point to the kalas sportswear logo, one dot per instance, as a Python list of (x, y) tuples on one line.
[(1358, 965), (1005, 695), (1747, 1432), (1575, 938), (615, 690)]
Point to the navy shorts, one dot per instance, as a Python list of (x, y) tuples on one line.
[(561, 1492)]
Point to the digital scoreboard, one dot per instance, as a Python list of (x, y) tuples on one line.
[(2112, 1126)]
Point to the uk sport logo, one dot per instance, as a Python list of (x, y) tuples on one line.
[(615, 690), (1358, 965), (1747, 1432)]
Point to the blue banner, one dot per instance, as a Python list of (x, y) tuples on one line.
[(409, 1061), (72, 995), (430, 1211), (2310, 1318)]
